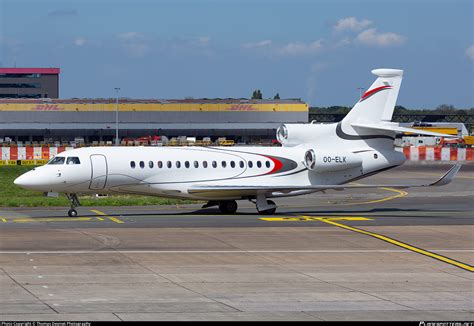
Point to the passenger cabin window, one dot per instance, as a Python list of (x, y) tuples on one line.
[(250, 164), (132, 164), (73, 160), (186, 164), (178, 164), (241, 164), (168, 164), (204, 164), (160, 164), (224, 164), (150, 164), (142, 164), (267, 164), (196, 164), (214, 164), (57, 160), (232, 164), (259, 164)]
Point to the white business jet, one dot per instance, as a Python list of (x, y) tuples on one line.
[(313, 157)]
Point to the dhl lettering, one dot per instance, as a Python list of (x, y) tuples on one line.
[(335, 159), (241, 107), (48, 107)]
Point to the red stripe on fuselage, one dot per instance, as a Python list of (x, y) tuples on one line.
[(277, 165)]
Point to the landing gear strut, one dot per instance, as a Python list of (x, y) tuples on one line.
[(269, 211), (74, 203), (228, 206), (264, 206)]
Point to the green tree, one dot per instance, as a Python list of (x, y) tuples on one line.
[(257, 95)]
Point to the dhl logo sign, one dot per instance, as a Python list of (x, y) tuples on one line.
[(242, 107), (48, 107)]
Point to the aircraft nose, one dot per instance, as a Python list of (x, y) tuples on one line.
[(20, 181), (29, 180)]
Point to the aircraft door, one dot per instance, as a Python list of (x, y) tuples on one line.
[(99, 172)]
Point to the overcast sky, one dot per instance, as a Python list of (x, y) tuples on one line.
[(320, 51)]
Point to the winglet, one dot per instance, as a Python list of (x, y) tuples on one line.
[(448, 177)]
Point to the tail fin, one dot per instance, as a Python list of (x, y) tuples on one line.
[(378, 102)]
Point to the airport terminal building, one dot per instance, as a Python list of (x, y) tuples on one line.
[(63, 120)]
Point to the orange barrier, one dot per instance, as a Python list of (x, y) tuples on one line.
[(438, 153)]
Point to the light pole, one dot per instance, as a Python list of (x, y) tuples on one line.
[(117, 89), (360, 91)]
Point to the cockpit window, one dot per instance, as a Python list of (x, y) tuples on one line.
[(57, 160), (73, 160)]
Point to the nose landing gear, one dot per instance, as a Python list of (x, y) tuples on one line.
[(74, 203)]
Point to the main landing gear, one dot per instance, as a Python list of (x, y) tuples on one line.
[(264, 206), (225, 206), (268, 211), (228, 206), (74, 203)]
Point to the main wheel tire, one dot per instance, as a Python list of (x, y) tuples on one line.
[(228, 206), (72, 213), (270, 211)]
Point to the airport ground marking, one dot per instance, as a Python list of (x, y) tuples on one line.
[(113, 219), (51, 219), (3, 219), (400, 194), (424, 252), (314, 218), (118, 251)]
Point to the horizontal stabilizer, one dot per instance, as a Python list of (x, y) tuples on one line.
[(202, 189), (394, 127)]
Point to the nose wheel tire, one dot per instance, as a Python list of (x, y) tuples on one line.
[(72, 213), (228, 207)]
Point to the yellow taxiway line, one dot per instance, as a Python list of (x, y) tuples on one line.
[(51, 219), (314, 218), (445, 259), (400, 193), (113, 219)]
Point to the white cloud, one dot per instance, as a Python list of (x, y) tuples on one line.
[(79, 41), (134, 43), (470, 52), (300, 48), (352, 24), (260, 44), (372, 37)]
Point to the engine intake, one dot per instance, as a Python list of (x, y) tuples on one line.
[(295, 134)]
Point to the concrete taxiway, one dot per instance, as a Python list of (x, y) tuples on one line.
[(365, 255)]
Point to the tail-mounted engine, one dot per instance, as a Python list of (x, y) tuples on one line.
[(295, 134)]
